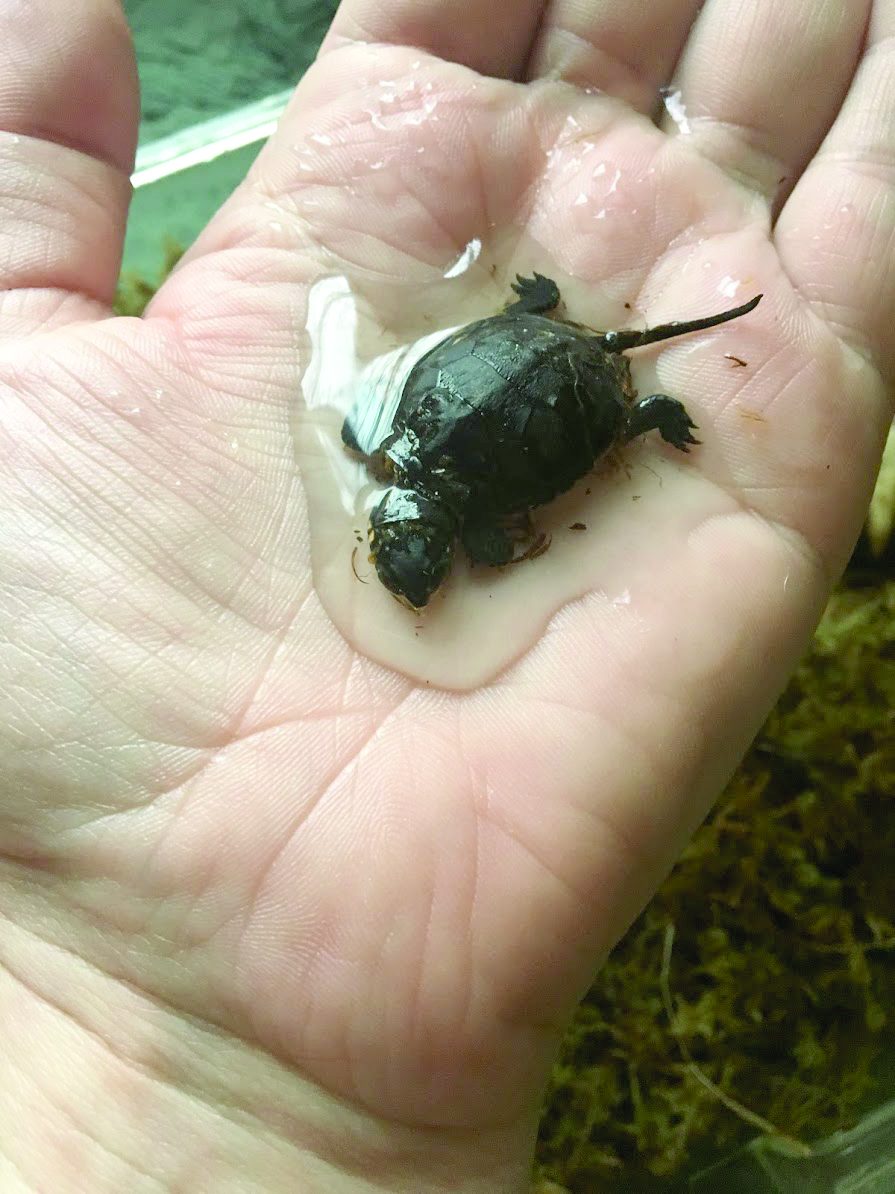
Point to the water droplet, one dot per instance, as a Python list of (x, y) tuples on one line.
[(403, 103), (468, 257), (674, 106), (405, 117), (729, 286)]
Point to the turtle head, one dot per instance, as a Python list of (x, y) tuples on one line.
[(411, 544)]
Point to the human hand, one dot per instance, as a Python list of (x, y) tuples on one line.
[(278, 916)]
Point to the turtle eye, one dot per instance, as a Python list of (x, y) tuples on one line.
[(411, 544)]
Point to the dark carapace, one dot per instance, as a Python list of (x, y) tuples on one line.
[(498, 418)]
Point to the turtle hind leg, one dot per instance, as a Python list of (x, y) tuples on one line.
[(537, 295), (663, 414), (350, 441), (377, 463)]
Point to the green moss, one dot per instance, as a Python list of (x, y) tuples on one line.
[(134, 291), (781, 975)]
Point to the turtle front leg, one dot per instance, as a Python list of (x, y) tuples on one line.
[(487, 543), (537, 295), (497, 543), (666, 415)]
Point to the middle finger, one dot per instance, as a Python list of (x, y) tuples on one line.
[(626, 50)]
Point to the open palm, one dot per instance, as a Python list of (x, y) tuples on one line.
[(297, 912)]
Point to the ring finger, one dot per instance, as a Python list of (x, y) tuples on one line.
[(626, 50), (760, 82)]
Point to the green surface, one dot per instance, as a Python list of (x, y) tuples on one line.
[(205, 58), (248, 51), (176, 209)]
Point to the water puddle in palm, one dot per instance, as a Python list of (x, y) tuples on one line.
[(365, 340)]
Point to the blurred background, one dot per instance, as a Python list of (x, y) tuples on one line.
[(213, 79)]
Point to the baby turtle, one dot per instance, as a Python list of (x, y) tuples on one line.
[(499, 417)]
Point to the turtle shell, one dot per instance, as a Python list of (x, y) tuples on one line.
[(506, 413)]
